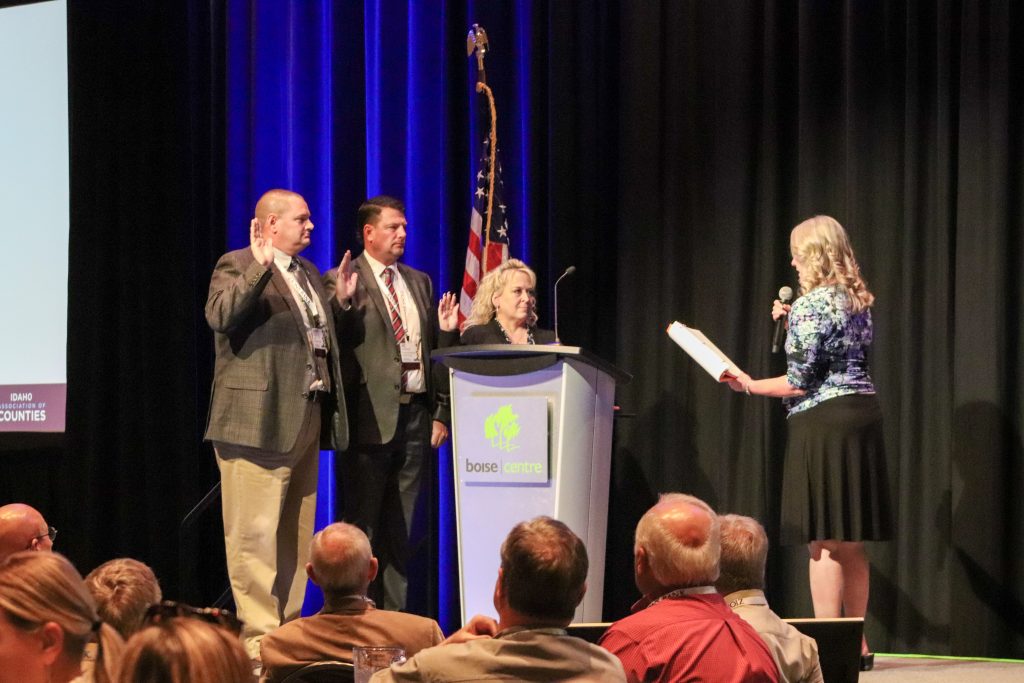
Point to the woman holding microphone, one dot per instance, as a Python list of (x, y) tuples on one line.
[(834, 486)]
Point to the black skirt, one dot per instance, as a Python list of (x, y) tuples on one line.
[(834, 481)]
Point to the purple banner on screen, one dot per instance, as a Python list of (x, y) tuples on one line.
[(32, 407)]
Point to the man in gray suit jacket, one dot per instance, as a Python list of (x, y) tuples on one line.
[(541, 581), (741, 582), (398, 412), (276, 401)]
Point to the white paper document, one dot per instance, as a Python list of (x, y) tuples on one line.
[(700, 348)]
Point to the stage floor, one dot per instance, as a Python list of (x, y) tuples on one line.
[(923, 669)]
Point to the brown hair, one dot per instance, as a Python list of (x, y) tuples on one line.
[(39, 588), (123, 589), (544, 569), (184, 650), (371, 209)]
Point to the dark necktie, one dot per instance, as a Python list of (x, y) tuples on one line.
[(300, 275)]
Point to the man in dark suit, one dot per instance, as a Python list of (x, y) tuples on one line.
[(397, 411), (276, 401)]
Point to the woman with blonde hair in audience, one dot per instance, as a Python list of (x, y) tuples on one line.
[(185, 650), (46, 619)]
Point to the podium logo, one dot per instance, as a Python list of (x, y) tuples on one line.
[(502, 428)]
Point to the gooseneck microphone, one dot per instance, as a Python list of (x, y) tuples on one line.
[(785, 296), (568, 271)]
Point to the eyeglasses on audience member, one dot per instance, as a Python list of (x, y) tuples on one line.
[(51, 533)]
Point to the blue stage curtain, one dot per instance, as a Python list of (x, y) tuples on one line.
[(342, 101)]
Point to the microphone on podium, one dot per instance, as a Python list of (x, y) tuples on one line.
[(568, 271), (785, 296)]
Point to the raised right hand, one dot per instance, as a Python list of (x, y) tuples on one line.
[(262, 247), (347, 279), (780, 309)]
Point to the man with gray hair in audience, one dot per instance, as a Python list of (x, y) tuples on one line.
[(22, 527), (342, 564), (681, 629), (741, 582)]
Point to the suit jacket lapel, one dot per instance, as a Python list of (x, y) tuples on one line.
[(285, 291), (415, 286), (369, 280)]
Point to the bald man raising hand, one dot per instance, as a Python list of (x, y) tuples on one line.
[(276, 402), (681, 629)]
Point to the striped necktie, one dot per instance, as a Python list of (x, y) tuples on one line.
[(396, 316)]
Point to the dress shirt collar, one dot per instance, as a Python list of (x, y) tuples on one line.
[(751, 596), (377, 267), (349, 604), (648, 600), (282, 260)]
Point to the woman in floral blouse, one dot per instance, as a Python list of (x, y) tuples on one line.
[(835, 492)]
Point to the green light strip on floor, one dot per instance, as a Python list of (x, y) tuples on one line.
[(950, 657)]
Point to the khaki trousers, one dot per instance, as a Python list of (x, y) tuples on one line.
[(269, 506)]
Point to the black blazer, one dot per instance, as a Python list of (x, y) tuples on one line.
[(491, 334)]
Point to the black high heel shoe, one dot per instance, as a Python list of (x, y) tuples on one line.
[(867, 662)]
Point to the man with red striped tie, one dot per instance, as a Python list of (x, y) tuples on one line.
[(397, 412)]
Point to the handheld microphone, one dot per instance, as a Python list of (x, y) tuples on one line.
[(785, 296), (568, 271)]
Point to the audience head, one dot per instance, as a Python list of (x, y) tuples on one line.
[(123, 590), (543, 574), (340, 561), (185, 650), (677, 545), (22, 527), (46, 618), (744, 553), (488, 299)]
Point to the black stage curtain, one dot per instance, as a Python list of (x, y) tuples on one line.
[(904, 121), (675, 144), (147, 207)]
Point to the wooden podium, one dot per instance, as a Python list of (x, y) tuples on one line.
[(531, 435)]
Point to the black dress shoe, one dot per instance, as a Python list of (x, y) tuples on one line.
[(867, 662)]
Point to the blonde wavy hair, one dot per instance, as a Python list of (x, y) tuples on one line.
[(822, 248), (493, 284), (40, 588)]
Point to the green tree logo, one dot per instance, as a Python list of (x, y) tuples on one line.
[(502, 428)]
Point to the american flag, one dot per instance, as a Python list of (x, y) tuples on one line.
[(497, 246)]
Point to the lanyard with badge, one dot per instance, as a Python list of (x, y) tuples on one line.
[(316, 334)]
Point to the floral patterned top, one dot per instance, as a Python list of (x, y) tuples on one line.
[(826, 349)]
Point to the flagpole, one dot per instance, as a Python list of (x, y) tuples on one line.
[(476, 42)]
